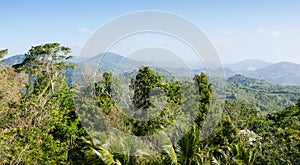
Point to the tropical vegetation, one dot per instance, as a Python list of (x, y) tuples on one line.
[(40, 121)]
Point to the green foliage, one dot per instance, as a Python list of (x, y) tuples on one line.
[(43, 121), (48, 59), (205, 97), (3, 53), (265, 96), (39, 122), (146, 81), (10, 122), (281, 136), (143, 83), (241, 113)]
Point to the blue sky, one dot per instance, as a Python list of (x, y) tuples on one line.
[(268, 30)]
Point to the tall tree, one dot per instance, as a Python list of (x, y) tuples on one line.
[(47, 126), (49, 59), (144, 82), (205, 90), (190, 148)]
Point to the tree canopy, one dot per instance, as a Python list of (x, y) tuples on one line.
[(40, 123)]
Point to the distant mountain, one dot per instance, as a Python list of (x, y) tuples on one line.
[(216, 72), (248, 65), (112, 62), (119, 64), (17, 59), (283, 73)]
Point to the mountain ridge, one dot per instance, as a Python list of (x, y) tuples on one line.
[(282, 73), (248, 65)]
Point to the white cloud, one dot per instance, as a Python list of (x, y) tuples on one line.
[(276, 33), (83, 31)]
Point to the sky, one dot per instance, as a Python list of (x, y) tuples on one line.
[(239, 30)]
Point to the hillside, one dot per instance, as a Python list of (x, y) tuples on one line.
[(283, 73), (248, 65), (54, 121), (14, 60), (264, 95), (118, 64)]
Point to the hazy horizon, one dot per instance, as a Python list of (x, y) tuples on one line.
[(224, 63)]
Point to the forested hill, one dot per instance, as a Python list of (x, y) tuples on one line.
[(282, 73), (266, 96)]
